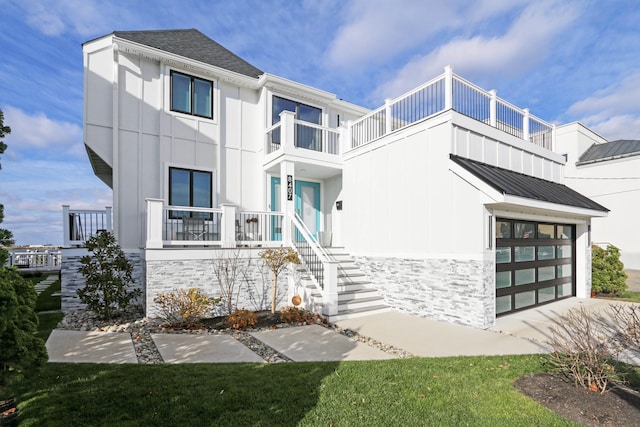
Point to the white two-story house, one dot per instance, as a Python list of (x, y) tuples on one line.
[(446, 202)]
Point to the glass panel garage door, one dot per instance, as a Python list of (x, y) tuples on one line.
[(534, 264)]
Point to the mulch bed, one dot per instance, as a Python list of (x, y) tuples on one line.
[(616, 407), (266, 320)]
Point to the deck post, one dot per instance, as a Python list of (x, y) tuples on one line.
[(448, 87), (493, 103), (330, 292), (154, 223), (66, 231), (387, 117), (228, 226), (525, 124)]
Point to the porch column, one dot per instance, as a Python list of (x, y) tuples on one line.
[(154, 223), (228, 226), (287, 198)]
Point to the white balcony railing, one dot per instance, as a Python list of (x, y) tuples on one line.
[(291, 134), (79, 225), (449, 91)]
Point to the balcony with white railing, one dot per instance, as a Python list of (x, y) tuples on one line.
[(449, 92), (302, 141), (79, 225), (224, 227)]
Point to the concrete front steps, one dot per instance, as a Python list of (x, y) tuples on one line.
[(356, 296)]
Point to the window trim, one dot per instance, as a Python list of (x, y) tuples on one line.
[(192, 79)]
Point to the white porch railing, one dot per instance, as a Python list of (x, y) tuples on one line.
[(38, 260), (292, 133), (449, 91), (79, 225), (222, 227), (323, 269)]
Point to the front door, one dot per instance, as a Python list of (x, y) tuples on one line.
[(308, 205)]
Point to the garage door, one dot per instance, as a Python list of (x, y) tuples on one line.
[(535, 264)]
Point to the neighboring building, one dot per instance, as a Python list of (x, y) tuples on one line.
[(446, 202), (609, 173)]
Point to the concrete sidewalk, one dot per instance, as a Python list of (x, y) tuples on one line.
[(521, 333)]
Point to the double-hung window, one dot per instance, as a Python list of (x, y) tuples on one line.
[(191, 95), (190, 188)]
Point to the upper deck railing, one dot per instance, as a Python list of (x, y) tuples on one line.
[(445, 92)]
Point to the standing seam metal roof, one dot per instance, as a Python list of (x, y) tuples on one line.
[(194, 45), (518, 184), (609, 151)]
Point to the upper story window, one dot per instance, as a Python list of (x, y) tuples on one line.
[(303, 112), (190, 188), (305, 137), (191, 95)]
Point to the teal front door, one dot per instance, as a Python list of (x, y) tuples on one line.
[(307, 204)]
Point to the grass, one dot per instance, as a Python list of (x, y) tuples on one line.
[(446, 391), (630, 296), (48, 307)]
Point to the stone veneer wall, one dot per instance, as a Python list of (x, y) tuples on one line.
[(72, 279), (253, 288), (460, 291)]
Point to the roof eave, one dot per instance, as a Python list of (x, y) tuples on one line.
[(128, 46)]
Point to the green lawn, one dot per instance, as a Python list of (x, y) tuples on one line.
[(447, 391), (630, 296)]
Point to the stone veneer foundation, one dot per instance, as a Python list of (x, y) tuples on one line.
[(441, 289), (72, 279), (253, 285)]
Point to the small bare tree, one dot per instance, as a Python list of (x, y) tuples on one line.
[(277, 259), (227, 269)]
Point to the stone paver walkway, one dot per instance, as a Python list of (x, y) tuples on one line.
[(41, 286)]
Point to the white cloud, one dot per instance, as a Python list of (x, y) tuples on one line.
[(526, 42), (58, 17), (613, 112), (40, 132), (378, 30)]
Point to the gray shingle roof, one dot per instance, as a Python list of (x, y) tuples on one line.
[(194, 45), (518, 184), (609, 151)]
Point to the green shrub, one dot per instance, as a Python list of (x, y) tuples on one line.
[(108, 275), (242, 319), (184, 308), (608, 274), (20, 349)]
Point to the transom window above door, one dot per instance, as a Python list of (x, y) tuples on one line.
[(191, 95)]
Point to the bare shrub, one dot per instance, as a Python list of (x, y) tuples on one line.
[(227, 269), (622, 323), (184, 308), (583, 352), (242, 319)]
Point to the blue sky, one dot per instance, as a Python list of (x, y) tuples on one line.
[(564, 60)]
